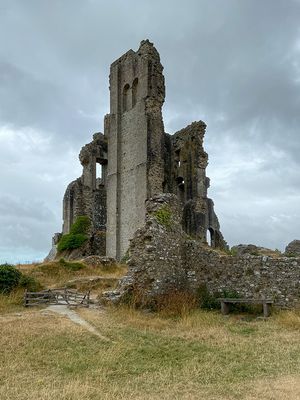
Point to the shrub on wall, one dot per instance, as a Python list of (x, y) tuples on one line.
[(81, 225), (77, 235)]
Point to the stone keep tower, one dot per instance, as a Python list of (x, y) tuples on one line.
[(135, 133)]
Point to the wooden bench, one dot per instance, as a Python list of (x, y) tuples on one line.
[(265, 303)]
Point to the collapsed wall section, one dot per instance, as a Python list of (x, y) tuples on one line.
[(163, 258), (185, 176), (86, 196)]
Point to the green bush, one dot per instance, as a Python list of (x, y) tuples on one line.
[(70, 241), (77, 235), (206, 299), (9, 278), (81, 225), (29, 283)]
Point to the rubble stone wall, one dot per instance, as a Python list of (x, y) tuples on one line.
[(252, 277), (163, 257)]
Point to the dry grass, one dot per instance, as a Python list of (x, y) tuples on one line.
[(176, 304), (12, 302), (199, 354), (56, 274), (202, 355)]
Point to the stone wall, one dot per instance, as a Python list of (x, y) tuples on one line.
[(163, 257), (251, 276)]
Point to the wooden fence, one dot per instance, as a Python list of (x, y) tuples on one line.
[(57, 297)]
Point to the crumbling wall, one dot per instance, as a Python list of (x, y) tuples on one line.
[(155, 251), (87, 196), (163, 257), (188, 180), (276, 278)]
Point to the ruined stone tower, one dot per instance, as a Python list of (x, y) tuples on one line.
[(139, 160), (134, 129)]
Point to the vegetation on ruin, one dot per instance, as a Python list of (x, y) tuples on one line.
[(77, 235), (81, 225), (164, 216), (125, 258), (231, 252)]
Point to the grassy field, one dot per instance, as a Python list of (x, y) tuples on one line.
[(200, 355)]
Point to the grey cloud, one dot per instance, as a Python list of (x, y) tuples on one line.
[(234, 64)]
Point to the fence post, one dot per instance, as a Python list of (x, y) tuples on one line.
[(25, 298)]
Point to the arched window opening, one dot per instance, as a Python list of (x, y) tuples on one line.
[(126, 99), (181, 188), (99, 171), (210, 237), (134, 91)]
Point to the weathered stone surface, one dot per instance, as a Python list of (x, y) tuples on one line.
[(98, 261), (293, 248), (53, 252)]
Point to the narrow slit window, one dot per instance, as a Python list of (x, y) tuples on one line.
[(134, 91), (126, 105)]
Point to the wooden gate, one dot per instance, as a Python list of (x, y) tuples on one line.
[(57, 297)]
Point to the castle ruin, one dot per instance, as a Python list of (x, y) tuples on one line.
[(139, 160), (144, 192)]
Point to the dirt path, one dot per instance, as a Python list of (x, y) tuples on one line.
[(74, 317)]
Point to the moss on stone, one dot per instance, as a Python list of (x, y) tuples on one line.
[(164, 216)]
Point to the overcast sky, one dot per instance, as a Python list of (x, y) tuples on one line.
[(233, 63)]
